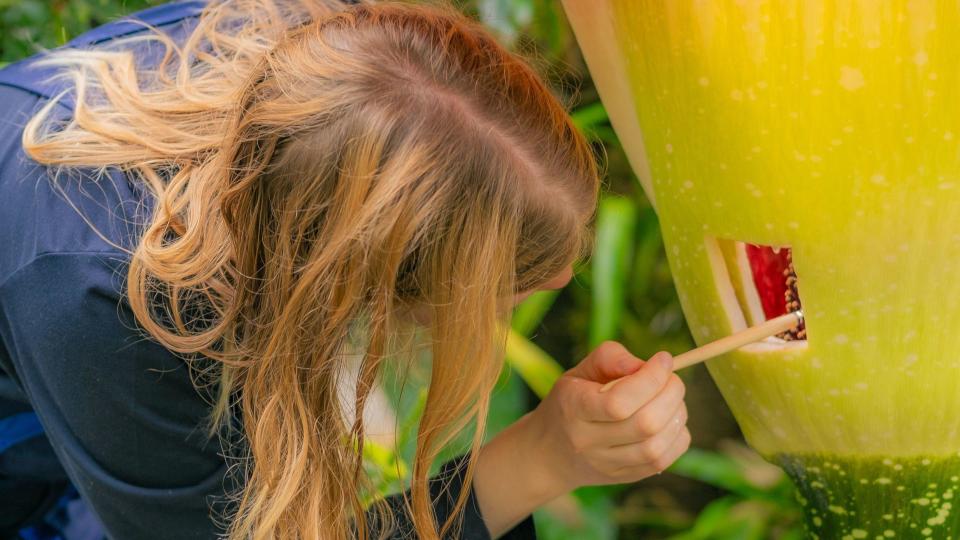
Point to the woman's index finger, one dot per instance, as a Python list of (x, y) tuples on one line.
[(630, 393)]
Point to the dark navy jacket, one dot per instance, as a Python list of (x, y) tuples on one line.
[(122, 419)]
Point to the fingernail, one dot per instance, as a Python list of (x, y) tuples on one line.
[(666, 360)]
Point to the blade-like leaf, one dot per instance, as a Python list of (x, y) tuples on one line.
[(613, 251)]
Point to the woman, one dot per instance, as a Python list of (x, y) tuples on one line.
[(254, 189)]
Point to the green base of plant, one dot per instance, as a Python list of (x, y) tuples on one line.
[(876, 498)]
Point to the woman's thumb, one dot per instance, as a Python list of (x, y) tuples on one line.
[(609, 360)]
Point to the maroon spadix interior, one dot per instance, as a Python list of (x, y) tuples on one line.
[(768, 268), (776, 282)]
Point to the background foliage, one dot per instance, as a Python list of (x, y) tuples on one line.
[(719, 489)]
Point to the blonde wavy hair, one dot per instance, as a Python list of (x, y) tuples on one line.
[(318, 168)]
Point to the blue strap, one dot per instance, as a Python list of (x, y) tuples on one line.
[(155, 16), (36, 80), (18, 428)]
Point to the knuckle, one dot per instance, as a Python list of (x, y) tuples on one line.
[(618, 409), (660, 378), (685, 440), (677, 383), (610, 348), (663, 462), (650, 452), (647, 423)]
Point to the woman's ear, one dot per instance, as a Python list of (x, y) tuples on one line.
[(558, 282), (561, 280)]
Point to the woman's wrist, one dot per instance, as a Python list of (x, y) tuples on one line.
[(516, 473)]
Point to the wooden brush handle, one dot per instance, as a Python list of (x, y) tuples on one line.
[(732, 342)]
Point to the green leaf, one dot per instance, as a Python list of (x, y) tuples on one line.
[(590, 521), (537, 368), (508, 402), (531, 311), (648, 254), (612, 254), (713, 516), (589, 117), (717, 470)]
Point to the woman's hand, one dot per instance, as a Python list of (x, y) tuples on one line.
[(581, 436), (635, 429)]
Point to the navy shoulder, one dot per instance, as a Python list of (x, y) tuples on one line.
[(77, 211), (176, 19)]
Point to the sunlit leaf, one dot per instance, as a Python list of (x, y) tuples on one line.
[(616, 221), (537, 368)]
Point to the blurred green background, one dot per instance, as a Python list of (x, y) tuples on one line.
[(719, 489)]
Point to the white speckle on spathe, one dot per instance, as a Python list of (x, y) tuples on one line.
[(816, 363), (945, 185), (793, 225), (687, 184), (841, 339), (848, 129), (948, 136), (910, 359), (873, 43), (816, 92), (703, 81), (676, 250), (815, 158), (669, 148), (878, 179), (836, 142), (920, 58), (755, 149), (932, 76), (861, 386), (909, 335), (851, 78), (769, 226), (908, 140), (736, 95)]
